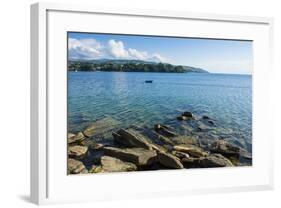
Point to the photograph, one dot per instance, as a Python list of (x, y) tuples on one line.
[(146, 103)]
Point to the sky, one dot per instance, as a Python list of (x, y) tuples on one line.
[(216, 56)]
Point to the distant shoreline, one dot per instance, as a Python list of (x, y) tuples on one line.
[(129, 66)]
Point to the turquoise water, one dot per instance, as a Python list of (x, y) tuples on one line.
[(128, 100)]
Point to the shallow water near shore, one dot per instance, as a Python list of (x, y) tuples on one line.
[(123, 99)]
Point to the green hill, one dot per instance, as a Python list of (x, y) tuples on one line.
[(122, 65)]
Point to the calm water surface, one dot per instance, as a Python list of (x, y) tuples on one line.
[(127, 99)]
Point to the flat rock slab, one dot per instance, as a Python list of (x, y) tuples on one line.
[(169, 160), (101, 127), (215, 160), (130, 138), (111, 164), (72, 138), (77, 151), (138, 156), (75, 167), (192, 150)]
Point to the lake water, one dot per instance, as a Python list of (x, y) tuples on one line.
[(127, 100)]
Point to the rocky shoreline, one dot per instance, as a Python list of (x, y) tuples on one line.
[(156, 148)]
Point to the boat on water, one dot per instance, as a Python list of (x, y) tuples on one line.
[(148, 81)]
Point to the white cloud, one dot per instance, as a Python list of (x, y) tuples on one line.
[(117, 49), (84, 48), (142, 55), (158, 58), (92, 49)]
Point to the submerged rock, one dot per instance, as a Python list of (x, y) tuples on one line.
[(75, 167), (183, 118), (138, 156), (215, 160), (72, 138), (203, 127), (185, 140), (165, 140), (131, 139), (169, 160), (205, 117), (164, 130), (187, 114), (225, 148), (192, 150), (111, 164), (77, 151), (101, 126)]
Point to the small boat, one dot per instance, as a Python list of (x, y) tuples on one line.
[(76, 70), (148, 81)]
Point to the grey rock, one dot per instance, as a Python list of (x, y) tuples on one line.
[(215, 160), (111, 164), (91, 144), (75, 167), (72, 138), (225, 148), (185, 140), (77, 151), (130, 138), (138, 156), (100, 127), (190, 162), (180, 155), (192, 150), (164, 130), (169, 160)]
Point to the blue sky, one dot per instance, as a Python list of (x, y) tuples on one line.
[(218, 56)]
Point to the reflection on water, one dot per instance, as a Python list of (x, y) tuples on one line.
[(126, 98)]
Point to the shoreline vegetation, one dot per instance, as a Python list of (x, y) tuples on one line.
[(159, 147), (119, 65)]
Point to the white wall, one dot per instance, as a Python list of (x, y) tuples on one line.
[(14, 111)]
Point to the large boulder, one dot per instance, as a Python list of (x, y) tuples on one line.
[(225, 148), (77, 151), (215, 160), (75, 167), (138, 156), (72, 138), (111, 164), (168, 160), (130, 138), (192, 150)]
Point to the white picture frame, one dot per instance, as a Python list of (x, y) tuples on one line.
[(49, 181)]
